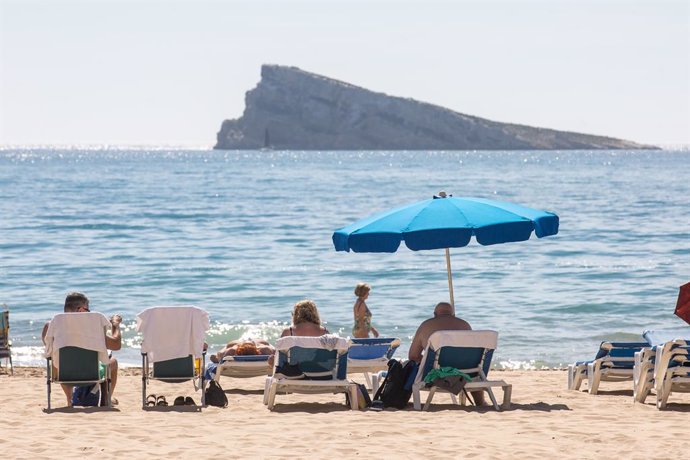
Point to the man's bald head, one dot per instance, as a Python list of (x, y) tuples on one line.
[(444, 308)]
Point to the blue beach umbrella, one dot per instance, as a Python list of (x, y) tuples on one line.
[(445, 222)]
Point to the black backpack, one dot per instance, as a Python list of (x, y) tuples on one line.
[(396, 389), (215, 396)]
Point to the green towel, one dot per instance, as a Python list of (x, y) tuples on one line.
[(444, 372)]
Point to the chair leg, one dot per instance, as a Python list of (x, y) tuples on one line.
[(354, 397), (416, 397), (493, 398), (267, 387), (593, 378), (48, 382), (664, 393), (367, 378), (455, 398), (144, 375), (429, 398), (272, 390), (507, 394), (374, 383)]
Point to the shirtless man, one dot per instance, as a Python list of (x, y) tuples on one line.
[(444, 320), (260, 346), (76, 302)]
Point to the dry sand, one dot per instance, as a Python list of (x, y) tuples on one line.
[(545, 421)]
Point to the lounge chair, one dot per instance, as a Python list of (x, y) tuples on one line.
[(243, 366), (663, 366), (172, 349), (76, 352), (5, 345), (614, 362), (469, 352), (310, 365), (370, 356)]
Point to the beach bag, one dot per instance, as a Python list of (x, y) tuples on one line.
[(215, 396), (87, 395), (396, 389), (363, 398)]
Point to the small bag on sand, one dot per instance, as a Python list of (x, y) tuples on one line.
[(363, 398), (215, 396)]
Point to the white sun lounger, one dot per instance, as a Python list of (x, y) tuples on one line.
[(310, 365), (243, 366), (469, 352), (664, 366), (614, 362)]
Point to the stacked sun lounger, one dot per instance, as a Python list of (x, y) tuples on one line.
[(663, 366)]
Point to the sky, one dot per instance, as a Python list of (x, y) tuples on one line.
[(167, 73)]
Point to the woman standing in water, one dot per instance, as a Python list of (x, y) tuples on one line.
[(362, 314)]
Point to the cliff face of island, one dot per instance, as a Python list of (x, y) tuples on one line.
[(296, 110)]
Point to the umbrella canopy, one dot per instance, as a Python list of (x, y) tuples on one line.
[(683, 304), (445, 222)]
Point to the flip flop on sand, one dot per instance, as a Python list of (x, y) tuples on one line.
[(188, 401), (160, 401), (179, 401), (151, 400)]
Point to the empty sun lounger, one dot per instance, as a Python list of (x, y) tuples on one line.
[(614, 362), (371, 356), (310, 365), (469, 352), (172, 348)]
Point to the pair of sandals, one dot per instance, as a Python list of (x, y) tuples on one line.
[(153, 400), (184, 401)]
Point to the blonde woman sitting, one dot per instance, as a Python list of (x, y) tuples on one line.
[(306, 322)]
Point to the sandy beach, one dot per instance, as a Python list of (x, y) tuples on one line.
[(546, 420)]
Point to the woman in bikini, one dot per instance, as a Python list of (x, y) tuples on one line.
[(362, 313)]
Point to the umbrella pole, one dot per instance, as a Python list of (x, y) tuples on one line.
[(450, 278)]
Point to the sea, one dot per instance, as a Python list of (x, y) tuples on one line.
[(246, 234)]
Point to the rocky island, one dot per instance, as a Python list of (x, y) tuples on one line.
[(296, 110)]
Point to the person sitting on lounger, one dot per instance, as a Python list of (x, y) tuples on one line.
[(76, 302), (444, 320), (244, 347), (306, 322)]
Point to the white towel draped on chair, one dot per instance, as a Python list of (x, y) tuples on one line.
[(84, 330), (172, 332)]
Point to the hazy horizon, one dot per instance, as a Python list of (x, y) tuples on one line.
[(154, 73)]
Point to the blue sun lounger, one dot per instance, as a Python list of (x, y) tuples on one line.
[(371, 356), (614, 362), (243, 366)]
